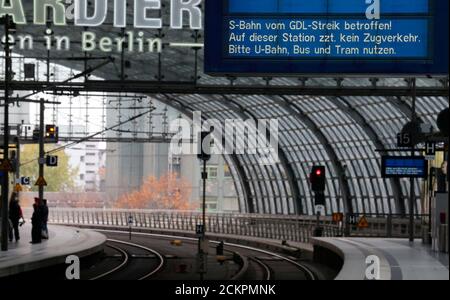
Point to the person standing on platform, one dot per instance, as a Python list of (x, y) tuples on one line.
[(44, 208), (15, 214), (219, 248), (36, 222)]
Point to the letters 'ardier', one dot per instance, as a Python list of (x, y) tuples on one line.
[(93, 13)]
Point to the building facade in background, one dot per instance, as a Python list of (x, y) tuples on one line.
[(129, 164), (88, 157)]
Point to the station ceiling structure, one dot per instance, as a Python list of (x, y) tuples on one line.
[(343, 123)]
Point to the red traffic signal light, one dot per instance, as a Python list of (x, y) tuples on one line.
[(317, 178)]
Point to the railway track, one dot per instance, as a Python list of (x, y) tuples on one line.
[(275, 266), (263, 264), (126, 260), (267, 272)]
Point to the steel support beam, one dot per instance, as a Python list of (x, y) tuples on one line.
[(353, 113), (292, 108), (403, 106), (155, 87), (63, 139), (287, 166)]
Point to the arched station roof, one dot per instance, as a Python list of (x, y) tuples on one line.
[(344, 133)]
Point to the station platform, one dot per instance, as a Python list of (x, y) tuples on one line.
[(399, 259), (63, 241)]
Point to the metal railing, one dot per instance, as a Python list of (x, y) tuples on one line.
[(385, 225), (278, 227), (290, 228)]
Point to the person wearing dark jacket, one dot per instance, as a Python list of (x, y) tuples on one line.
[(15, 214), (36, 222)]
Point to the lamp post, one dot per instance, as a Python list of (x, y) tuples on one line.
[(9, 28), (413, 153), (204, 154)]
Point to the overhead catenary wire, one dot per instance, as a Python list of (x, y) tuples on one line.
[(103, 122), (90, 136), (52, 85), (76, 76)]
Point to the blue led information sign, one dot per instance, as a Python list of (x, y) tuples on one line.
[(404, 167), (326, 37)]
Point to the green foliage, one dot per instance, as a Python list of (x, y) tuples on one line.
[(59, 179)]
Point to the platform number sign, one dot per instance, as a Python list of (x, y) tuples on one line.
[(404, 140), (430, 150), (352, 219), (25, 181), (51, 161)]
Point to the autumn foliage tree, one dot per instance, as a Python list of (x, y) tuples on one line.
[(167, 192), (59, 179)]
